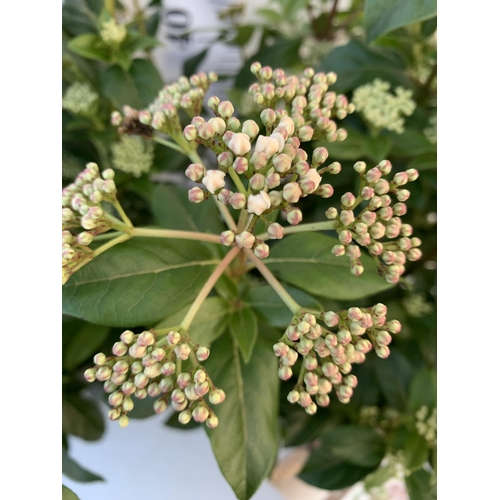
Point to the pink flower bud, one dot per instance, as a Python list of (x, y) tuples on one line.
[(292, 192), (345, 237), (206, 131), (414, 254), (285, 372), (331, 318), (382, 351), (267, 145), (168, 368), (224, 195), (383, 338), (182, 351), (290, 358), (233, 124), (190, 133), (266, 73), (227, 238), (294, 217), (116, 118), (377, 231), (250, 128), (257, 183), (312, 176), (331, 213), (341, 134), (196, 195), (218, 124), (399, 209), (245, 240), (392, 231), (347, 217), (329, 370), (217, 396), (282, 162), (304, 399), (146, 338), (287, 123), (301, 167), (195, 172), (311, 378), (338, 250), (381, 187), (277, 135), (403, 194), (273, 180), (268, 117), (240, 144), (280, 349), (385, 213), (385, 166), (238, 201), (276, 198), (225, 109), (214, 180), (389, 257), (320, 155), (347, 200), (225, 159), (305, 133), (412, 174), (293, 396), (240, 165), (202, 353), (261, 251)]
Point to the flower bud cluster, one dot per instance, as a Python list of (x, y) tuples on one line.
[(379, 219), (80, 99), (150, 364), (417, 306), (426, 424), (83, 216), (372, 416), (132, 154), (162, 113), (381, 108), (312, 106), (112, 33), (277, 171), (329, 351)]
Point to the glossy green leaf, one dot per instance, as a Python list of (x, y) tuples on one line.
[(378, 148), (90, 46), (243, 327), (118, 86), (84, 343), (78, 17), (268, 305), (305, 261), (81, 417), (191, 65), (393, 376), (420, 487), (173, 210), (357, 64), (347, 454), (208, 324), (67, 494), (427, 161), (226, 288), (411, 143), (138, 282), (353, 148), (246, 441), (147, 80), (423, 390), (73, 470), (382, 16), (416, 451), (123, 59), (138, 42)]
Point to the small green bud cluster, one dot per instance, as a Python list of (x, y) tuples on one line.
[(81, 209), (132, 154), (313, 51), (426, 424), (312, 106), (112, 33), (150, 364), (431, 130), (377, 220), (329, 351), (278, 172), (80, 99), (381, 108), (417, 305), (373, 416), (162, 114)]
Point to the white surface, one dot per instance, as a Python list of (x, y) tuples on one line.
[(148, 460)]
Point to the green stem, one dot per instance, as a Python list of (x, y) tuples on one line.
[(123, 215), (117, 224), (237, 181), (301, 374), (169, 144), (207, 287), (302, 228), (275, 284), (174, 234)]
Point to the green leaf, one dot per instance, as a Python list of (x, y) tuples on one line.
[(347, 454), (245, 443), (270, 307), (173, 210), (81, 417), (226, 288), (357, 64), (73, 470), (379, 477), (90, 46), (382, 16), (426, 161), (138, 282), (243, 327), (423, 390), (78, 17), (355, 445), (429, 27), (244, 33), (419, 486), (411, 143), (147, 80), (118, 86), (191, 64), (416, 451), (122, 58), (270, 15), (305, 261), (378, 148), (353, 148), (152, 23), (136, 42), (67, 494), (393, 376), (208, 324), (84, 344)]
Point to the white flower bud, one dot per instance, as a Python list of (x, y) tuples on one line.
[(239, 144), (214, 180), (258, 203), (292, 192), (245, 240)]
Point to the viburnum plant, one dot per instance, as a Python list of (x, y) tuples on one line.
[(184, 289)]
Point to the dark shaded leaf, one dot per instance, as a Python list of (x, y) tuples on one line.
[(84, 343), (90, 46), (423, 390), (416, 451), (67, 494), (73, 470), (191, 65), (378, 148), (81, 417), (243, 327), (419, 486), (146, 80)]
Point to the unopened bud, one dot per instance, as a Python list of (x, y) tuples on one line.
[(285, 372), (182, 351), (196, 195), (261, 251), (202, 353), (293, 396), (227, 238), (245, 239), (294, 216)]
